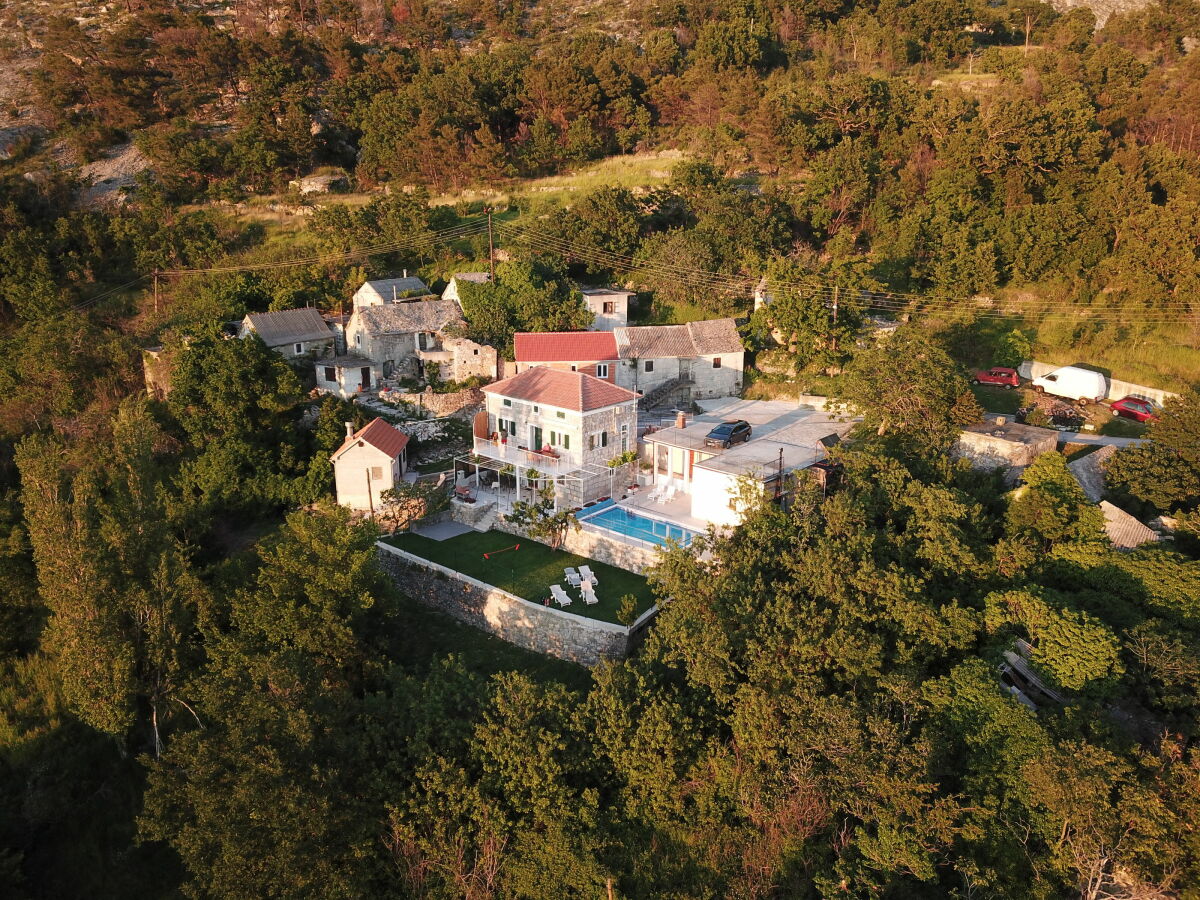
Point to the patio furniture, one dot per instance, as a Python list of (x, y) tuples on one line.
[(588, 575), (561, 597), (667, 495), (589, 593), (463, 493), (572, 576)]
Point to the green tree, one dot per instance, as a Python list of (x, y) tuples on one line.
[(1166, 472)]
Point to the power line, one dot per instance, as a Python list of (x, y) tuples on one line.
[(885, 300)]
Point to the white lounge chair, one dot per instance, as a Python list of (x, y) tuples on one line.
[(561, 597), (589, 593), (588, 575), (572, 576), (667, 495)]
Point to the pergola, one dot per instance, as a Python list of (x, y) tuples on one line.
[(520, 473)]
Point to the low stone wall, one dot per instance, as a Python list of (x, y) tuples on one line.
[(1117, 389), (542, 629), (442, 405), (632, 557)]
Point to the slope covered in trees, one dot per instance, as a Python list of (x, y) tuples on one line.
[(205, 685)]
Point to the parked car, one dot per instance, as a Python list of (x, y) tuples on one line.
[(727, 434), (998, 375), (1081, 385), (1135, 408)]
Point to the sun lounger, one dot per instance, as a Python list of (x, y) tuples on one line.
[(588, 575), (589, 593), (561, 597), (572, 576)]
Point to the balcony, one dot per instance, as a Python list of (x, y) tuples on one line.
[(510, 453)]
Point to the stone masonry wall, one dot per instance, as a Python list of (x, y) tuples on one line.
[(542, 629), (636, 558)]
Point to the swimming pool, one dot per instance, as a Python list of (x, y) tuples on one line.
[(631, 524)]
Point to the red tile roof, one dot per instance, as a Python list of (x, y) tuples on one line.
[(561, 389), (380, 435), (564, 346)]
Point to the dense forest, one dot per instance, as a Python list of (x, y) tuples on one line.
[(207, 688)]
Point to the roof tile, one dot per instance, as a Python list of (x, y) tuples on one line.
[(565, 346), (561, 389)]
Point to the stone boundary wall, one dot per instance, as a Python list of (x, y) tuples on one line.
[(631, 557), (543, 629), (1116, 389), (442, 405)]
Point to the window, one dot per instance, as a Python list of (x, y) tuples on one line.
[(330, 373), (536, 408), (602, 370), (599, 439), (716, 362), (299, 349), (476, 351), (358, 340), (574, 369), (649, 365), (560, 414), (507, 402), (610, 308), (560, 439), (376, 473)]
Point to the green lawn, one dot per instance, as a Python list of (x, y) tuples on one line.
[(529, 571), (996, 399)]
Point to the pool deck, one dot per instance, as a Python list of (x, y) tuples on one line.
[(677, 512)]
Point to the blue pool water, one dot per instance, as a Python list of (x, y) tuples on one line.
[(631, 524)]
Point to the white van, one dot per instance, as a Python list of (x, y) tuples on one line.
[(1073, 383)]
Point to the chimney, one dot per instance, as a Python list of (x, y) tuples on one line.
[(1001, 420), (405, 271), (349, 430), (393, 293), (680, 419)]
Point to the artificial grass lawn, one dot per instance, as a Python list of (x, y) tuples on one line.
[(529, 571)]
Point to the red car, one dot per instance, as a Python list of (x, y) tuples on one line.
[(1135, 408), (998, 375)]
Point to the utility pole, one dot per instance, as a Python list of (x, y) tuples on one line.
[(491, 248), (370, 499), (836, 290), (610, 890)]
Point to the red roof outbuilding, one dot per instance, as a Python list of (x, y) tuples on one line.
[(380, 435)]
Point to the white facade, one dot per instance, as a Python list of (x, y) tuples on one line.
[(346, 376), (365, 465), (610, 307)]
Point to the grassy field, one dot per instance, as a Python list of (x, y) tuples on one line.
[(996, 399), (529, 571)]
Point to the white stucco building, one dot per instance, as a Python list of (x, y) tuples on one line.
[(707, 481), (610, 306), (566, 426), (294, 333), (369, 462)]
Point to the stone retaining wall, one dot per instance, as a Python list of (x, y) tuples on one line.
[(542, 629), (632, 557), (442, 405)]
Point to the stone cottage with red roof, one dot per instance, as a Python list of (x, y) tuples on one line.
[(567, 426), (590, 352), (369, 462)]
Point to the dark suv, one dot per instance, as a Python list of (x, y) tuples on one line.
[(727, 434)]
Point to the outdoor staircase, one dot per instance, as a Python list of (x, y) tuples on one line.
[(666, 392)]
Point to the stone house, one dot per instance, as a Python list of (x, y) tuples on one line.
[(294, 333), (1000, 443), (369, 462), (391, 290), (695, 361), (451, 292), (394, 335), (591, 352), (663, 363), (610, 306), (565, 425)]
